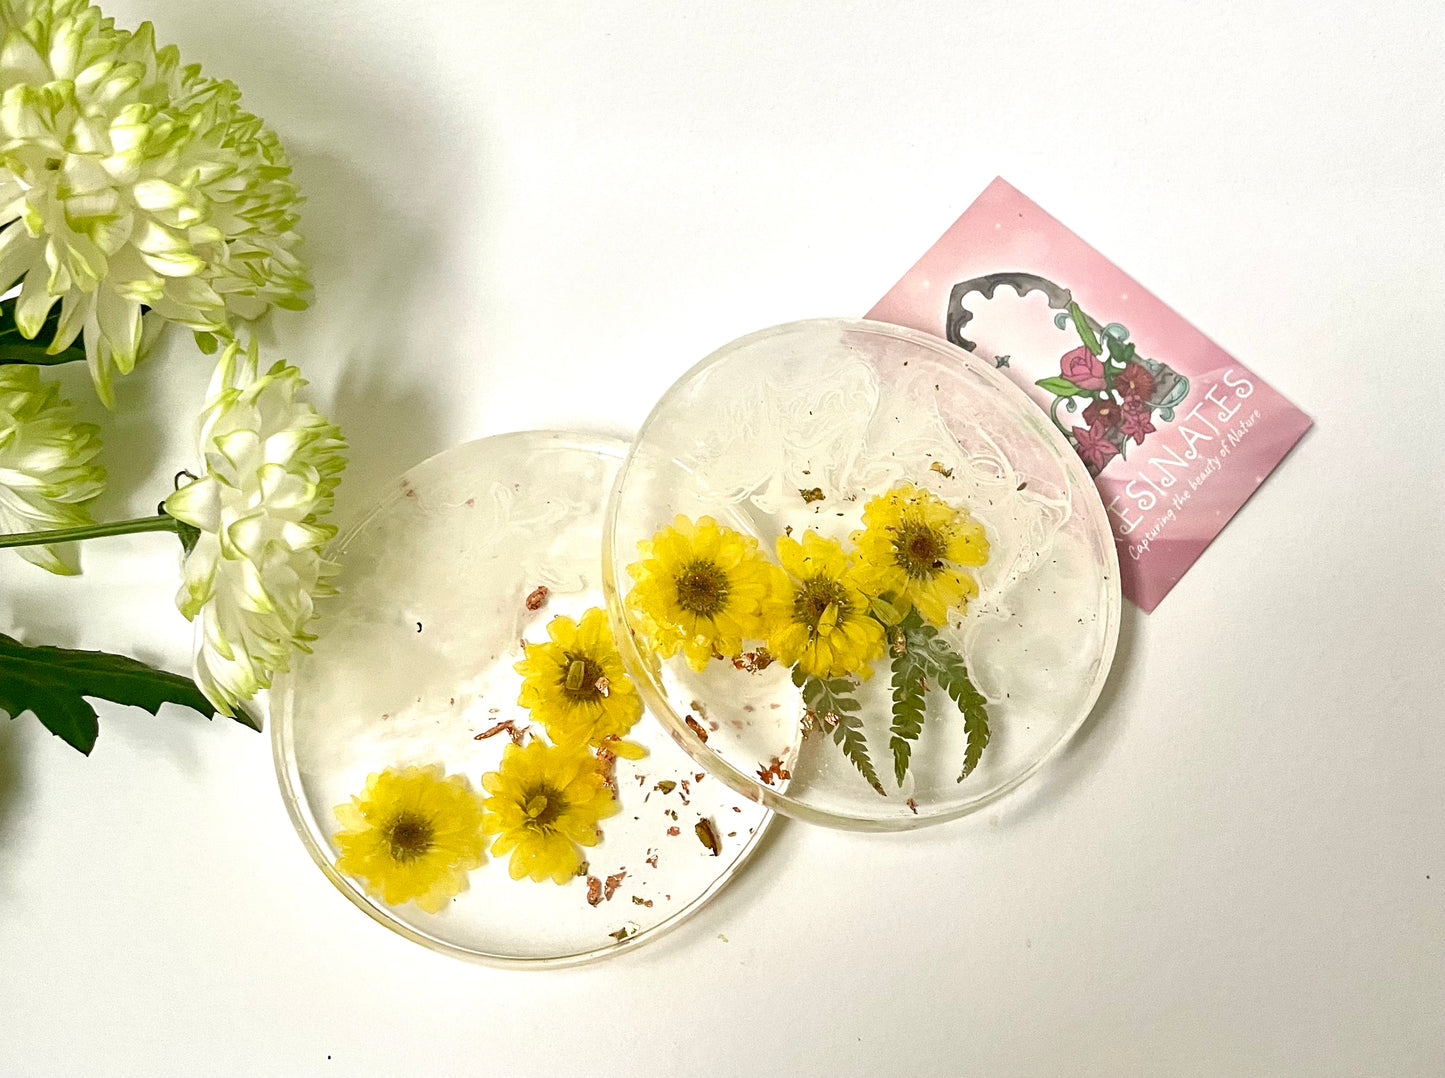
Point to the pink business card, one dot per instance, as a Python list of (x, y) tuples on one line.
[(1176, 432)]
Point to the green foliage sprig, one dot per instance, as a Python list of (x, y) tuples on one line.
[(831, 702)]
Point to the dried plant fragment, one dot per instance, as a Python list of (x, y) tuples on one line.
[(753, 661), (775, 771), (707, 835)]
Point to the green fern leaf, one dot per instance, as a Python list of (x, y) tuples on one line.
[(909, 700), (953, 676), (833, 702), (947, 668)]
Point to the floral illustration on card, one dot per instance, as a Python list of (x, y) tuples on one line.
[(1106, 396)]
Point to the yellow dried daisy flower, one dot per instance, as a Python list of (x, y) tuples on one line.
[(825, 628), (545, 803), (412, 836), (912, 548), (575, 684), (703, 589)]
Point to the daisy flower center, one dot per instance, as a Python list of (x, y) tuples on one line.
[(543, 805), (919, 549), (409, 836), (580, 682), (702, 589), (820, 603)]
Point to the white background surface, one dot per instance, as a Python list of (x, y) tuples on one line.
[(538, 214)]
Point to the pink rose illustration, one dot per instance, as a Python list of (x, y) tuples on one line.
[(1094, 446), (1134, 382), (1136, 423), (1082, 368)]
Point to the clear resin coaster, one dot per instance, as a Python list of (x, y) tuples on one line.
[(418, 781), (860, 575)]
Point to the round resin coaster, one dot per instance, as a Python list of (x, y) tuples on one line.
[(406, 717), (860, 575)]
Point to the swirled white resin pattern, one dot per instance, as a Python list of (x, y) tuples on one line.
[(840, 427), (798, 428)]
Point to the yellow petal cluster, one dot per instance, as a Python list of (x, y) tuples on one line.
[(545, 803), (705, 589), (702, 589), (917, 548), (824, 628), (575, 684), (412, 835)]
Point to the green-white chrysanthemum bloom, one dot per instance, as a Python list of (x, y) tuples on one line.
[(271, 465), (46, 469), (129, 183)]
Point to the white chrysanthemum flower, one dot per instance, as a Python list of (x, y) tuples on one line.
[(130, 183), (271, 465), (46, 474)]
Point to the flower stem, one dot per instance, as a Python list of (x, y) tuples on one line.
[(161, 522)]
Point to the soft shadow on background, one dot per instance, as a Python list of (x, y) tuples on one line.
[(389, 410), (1092, 741), (12, 787)]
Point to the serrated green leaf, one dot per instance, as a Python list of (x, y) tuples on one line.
[(53, 683), (1086, 332), (953, 678), (848, 735), (909, 701), (947, 667), (833, 699), (1060, 387)]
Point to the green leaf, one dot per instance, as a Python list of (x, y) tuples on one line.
[(16, 349), (53, 682), (1060, 387), (909, 700), (848, 735), (189, 535), (1120, 352), (833, 702), (1086, 333), (953, 677), (947, 667)]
